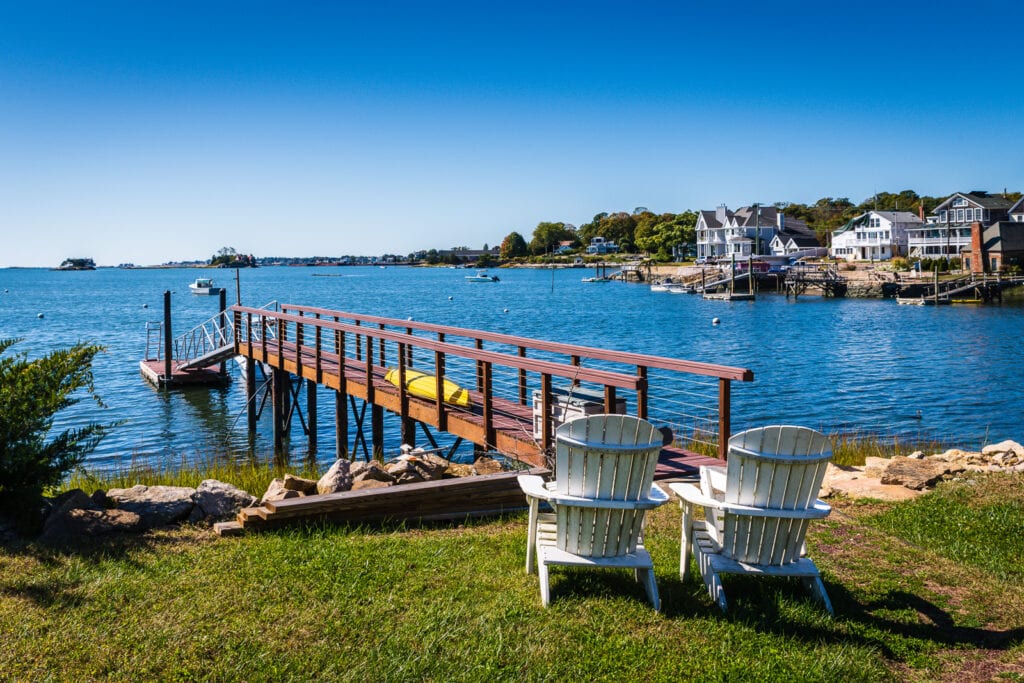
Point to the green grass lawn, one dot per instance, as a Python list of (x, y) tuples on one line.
[(926, 590)]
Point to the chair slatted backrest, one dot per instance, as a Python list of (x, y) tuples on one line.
[(779, 467), (605, 457)]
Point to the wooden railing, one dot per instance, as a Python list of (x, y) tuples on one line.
[(531, 366)]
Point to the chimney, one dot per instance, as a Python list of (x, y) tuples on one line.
[(979, 259), (720, 214), (920, 211), (780, 221)]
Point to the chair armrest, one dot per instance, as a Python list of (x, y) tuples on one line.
[(533, 486), (654, 498), (693, 496)]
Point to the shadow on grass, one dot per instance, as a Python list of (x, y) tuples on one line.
[(781, 607)]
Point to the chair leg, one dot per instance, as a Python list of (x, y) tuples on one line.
[(686, 543), (531, 538), (711, 578), (652, 588), (816, 587), (545, 587)]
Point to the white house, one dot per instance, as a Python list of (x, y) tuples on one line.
[(948, 230), (874, 236), (748, 231), (598, 245), (1017, 211)]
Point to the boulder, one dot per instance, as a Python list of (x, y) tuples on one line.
[(456, 469), (337, 478), (485, 465), (277, 491), (915, 474), (306, 487), (77, 523), (1004, 447), (75, 499), (216, 500), (155, 505), (370, 469), (404, 470)]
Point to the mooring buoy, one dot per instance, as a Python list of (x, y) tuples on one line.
[(715, 321)]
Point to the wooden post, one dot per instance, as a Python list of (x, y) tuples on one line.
[(488, 408), (408, 426), (277, 407), (377, 431), (311, 415), (168, 339), (340, 400), (546, 431), (724, 426), (641, 393)]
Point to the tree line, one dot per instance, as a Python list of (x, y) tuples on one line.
[(657, 234)]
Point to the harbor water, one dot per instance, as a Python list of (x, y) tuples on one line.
[(867, 367)]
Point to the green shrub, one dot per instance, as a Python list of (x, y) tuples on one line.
[(31, 393)]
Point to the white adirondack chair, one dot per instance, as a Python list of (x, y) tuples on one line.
[(604, 467), (757, 509)]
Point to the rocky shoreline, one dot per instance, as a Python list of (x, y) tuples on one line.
[(76, 515)]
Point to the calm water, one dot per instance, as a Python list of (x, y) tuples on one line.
[(861, 365)]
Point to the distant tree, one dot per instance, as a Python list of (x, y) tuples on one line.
[(660, 234), (432, 257), (546, 237), (513, 246), (486, 248), (31, 393), (485, 260)]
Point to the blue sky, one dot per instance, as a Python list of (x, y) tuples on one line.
[(150, 132)]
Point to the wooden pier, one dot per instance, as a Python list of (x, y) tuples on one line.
[(517, 391)]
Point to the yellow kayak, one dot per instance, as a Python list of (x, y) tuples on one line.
[(422, 385)]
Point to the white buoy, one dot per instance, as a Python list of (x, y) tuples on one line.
[(145, 305), (409, 318), (504, 310), (40, 315), (450, 298), (715, 321)]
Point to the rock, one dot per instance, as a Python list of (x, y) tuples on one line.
[(75, 499), (371, 484), (99, 497), (369, 470), (277, 491), (456, 469), (851, 481), (337, 478), (875, 466), (306, 487), (914, 474), (155, 505), (216, 500), (485, 465), (432, 465), (77, 523), (404, 471), (1004, 447)]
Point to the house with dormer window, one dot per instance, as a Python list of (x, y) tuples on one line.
[(874, 236), (948, 230), (749, 231)]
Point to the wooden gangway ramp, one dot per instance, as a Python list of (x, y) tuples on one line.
[(519, 389)]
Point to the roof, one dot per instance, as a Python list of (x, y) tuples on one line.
[(1009, 234), (979, 198), (804, 240), (1018, 207), (891, 216)]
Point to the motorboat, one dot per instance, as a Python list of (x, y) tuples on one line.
[(204, 285), (482, 276)]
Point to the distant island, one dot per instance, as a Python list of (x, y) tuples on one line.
[(77, 264)]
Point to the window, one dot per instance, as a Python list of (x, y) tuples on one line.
[(959, 201), (942, 216), (959, 215)]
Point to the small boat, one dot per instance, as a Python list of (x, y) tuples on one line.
[(204, 285), (596, 279), (422, 385), (482, 277), (680, 289)]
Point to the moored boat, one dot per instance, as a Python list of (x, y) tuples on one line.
[(204, 285)]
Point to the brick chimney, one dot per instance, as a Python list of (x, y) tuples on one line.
[(920, 211), (979, 259)]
